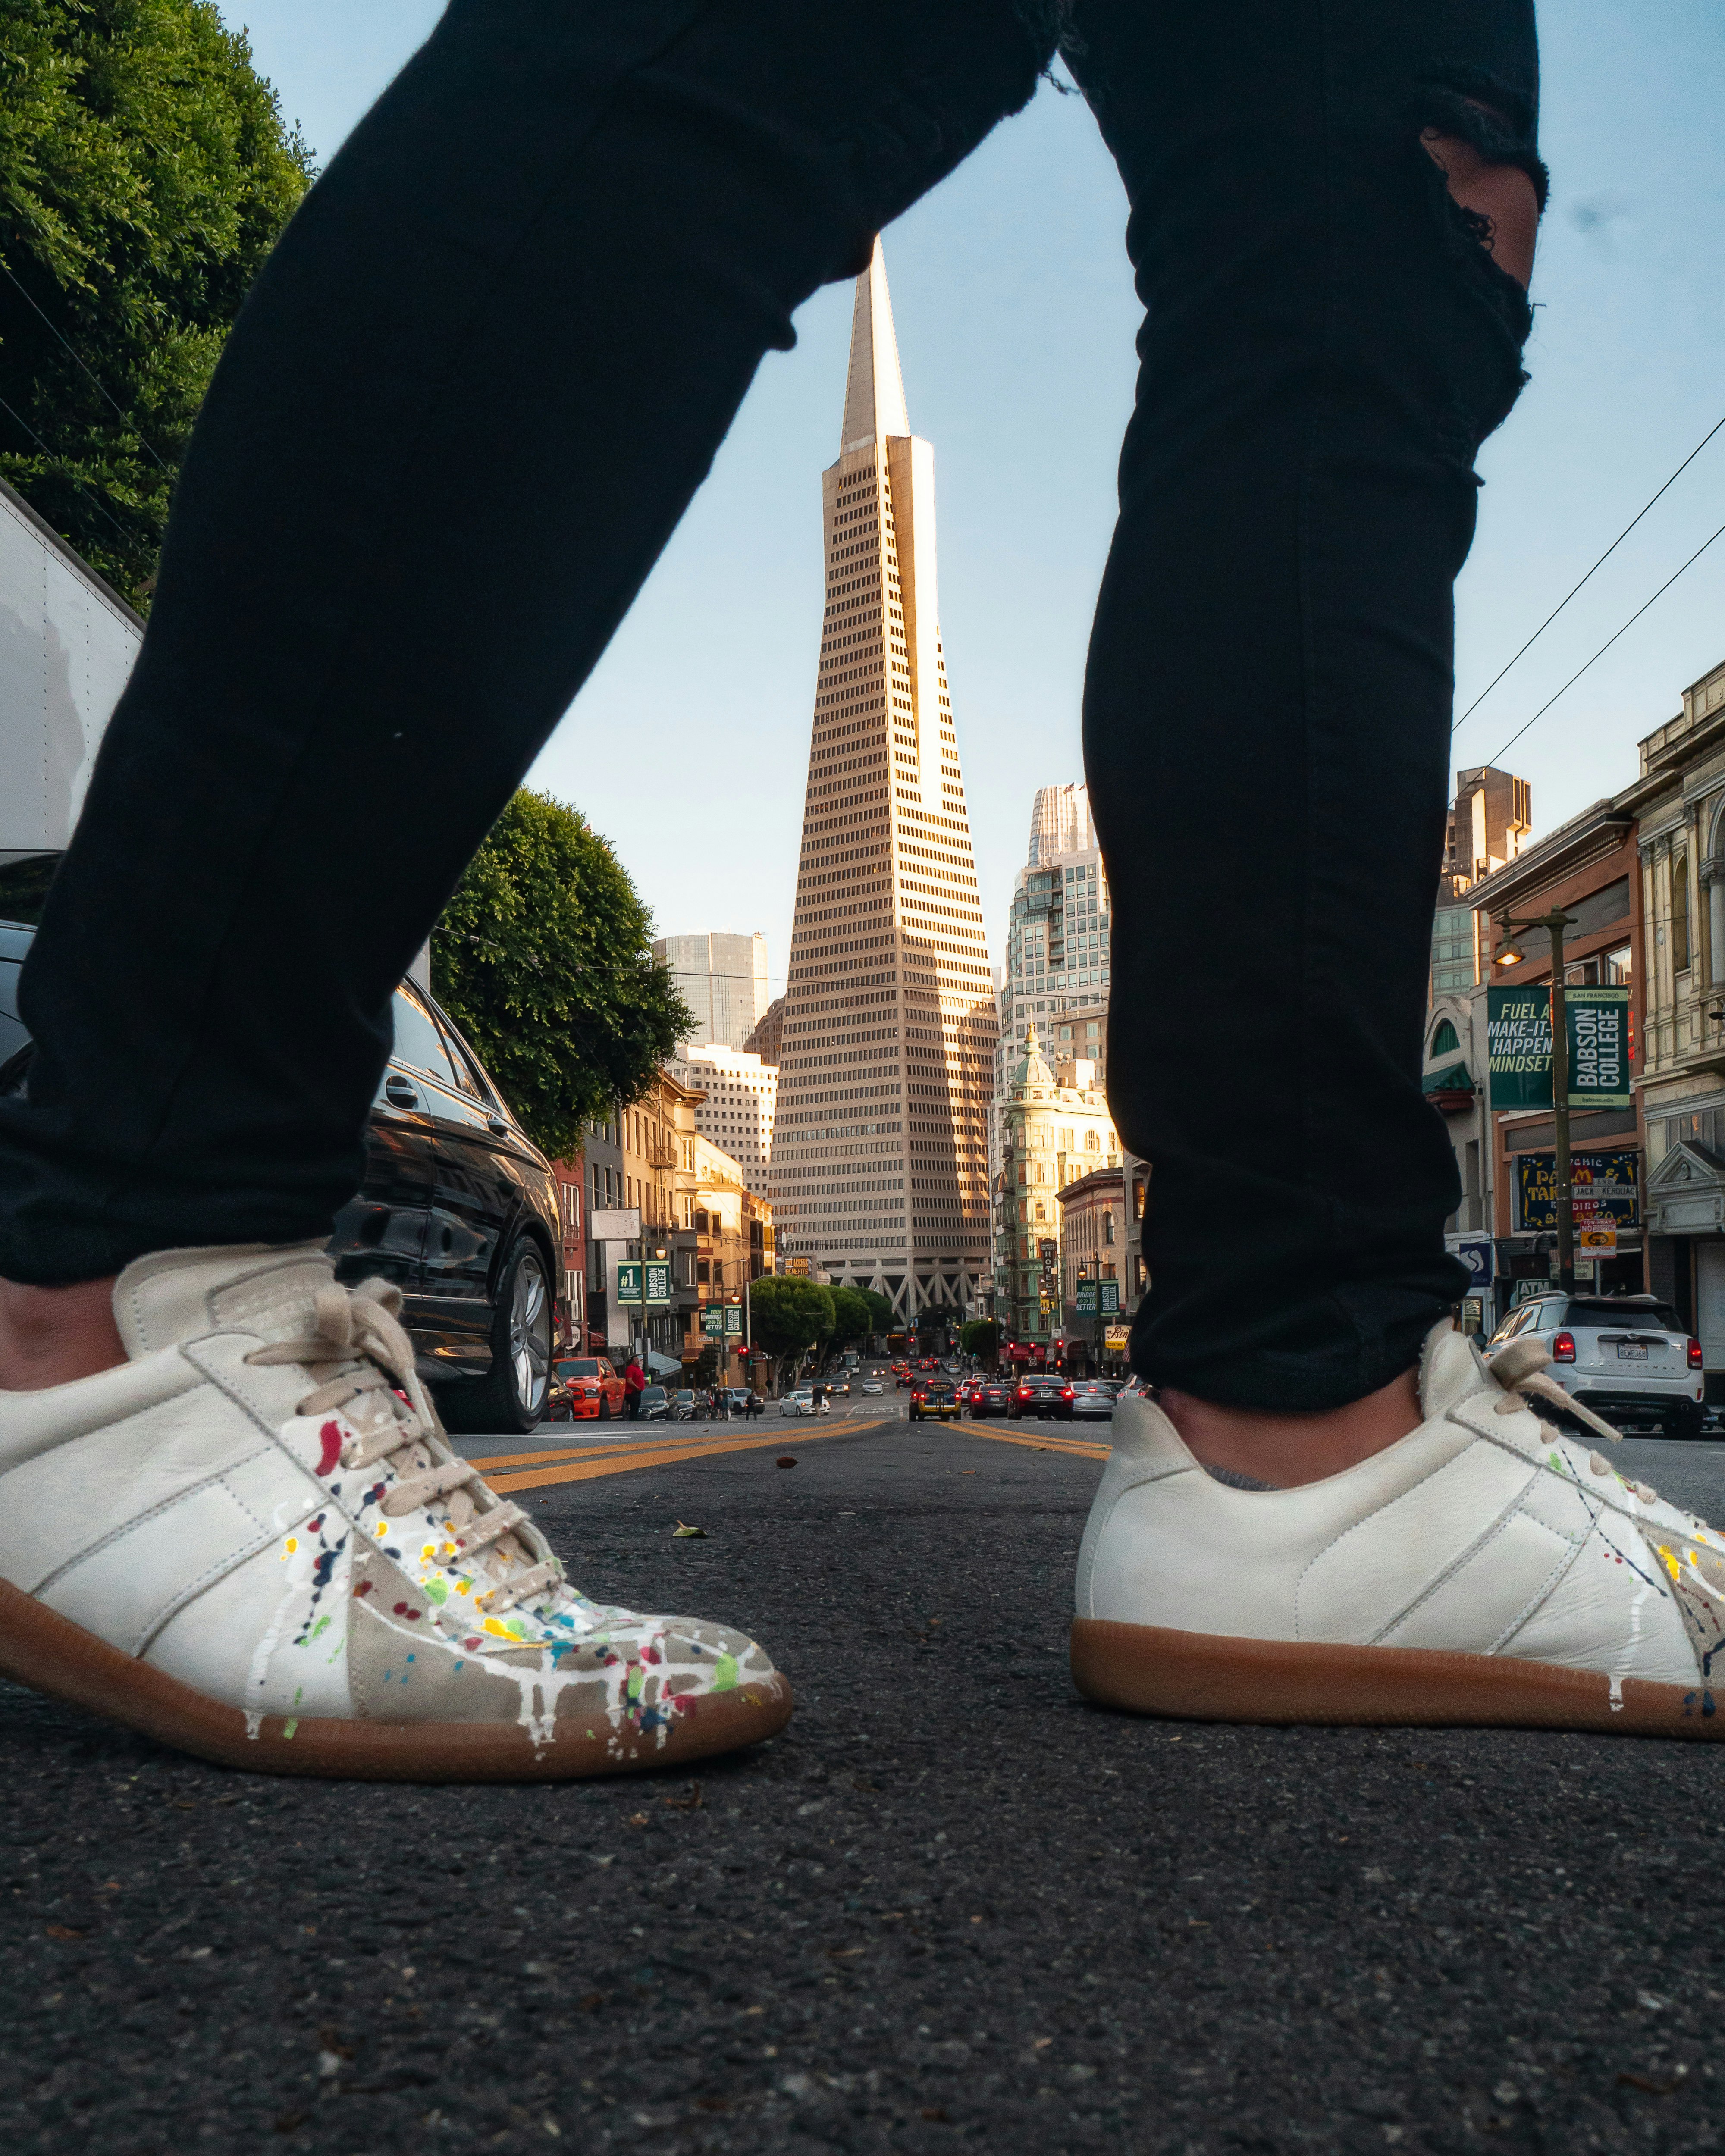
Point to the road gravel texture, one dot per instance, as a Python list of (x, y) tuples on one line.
[(952, 1908)]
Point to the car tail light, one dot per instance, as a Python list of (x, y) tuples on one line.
[(1023, 1391), (1065, 1392), (1562, 1347), (1695, 1355), (916, 1396)]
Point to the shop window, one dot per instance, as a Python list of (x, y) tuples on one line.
[(1107, 1227), (1445, 1041), (1616, 970), (1679, 913)]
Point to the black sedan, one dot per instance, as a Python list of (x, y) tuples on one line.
[(989, 1396), (458, 1207), (1044, 1398)]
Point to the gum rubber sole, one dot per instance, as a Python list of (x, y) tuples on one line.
[(1203, 1676), (50, 1653)]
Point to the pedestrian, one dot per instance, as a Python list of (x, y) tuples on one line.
[(551, 259), (635, 1384)]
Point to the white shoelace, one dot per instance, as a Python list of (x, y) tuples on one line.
[(1519, 1367), (363, 1362)]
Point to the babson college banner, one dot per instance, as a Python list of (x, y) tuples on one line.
[(1518, 1042)]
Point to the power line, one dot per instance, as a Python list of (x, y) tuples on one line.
[(1609, 641), (78, 357), (130, 537), (1570, 593)]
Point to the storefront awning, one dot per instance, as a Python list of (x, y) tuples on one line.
[(1453, 1078)]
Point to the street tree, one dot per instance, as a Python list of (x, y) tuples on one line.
[(981, 1337), (788, 1317), (544, 959), (852, 1317), (880, 1309), (145, 173)]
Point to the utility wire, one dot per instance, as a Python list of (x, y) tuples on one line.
[(1571, 593), (78, 357), (1609, 641), (130, 537)]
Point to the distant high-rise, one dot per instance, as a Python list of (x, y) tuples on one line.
[(723, 980), (765, 1040), (880, 1157), (1059, 824), (1488, 825)]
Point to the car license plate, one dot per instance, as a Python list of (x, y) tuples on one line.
[(1629, 1353)]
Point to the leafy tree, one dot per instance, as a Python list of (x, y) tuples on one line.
[(145, 173), (789, 1317), (880, 1309), (705, 1368), (981, 1337), (544, 957), (852, 1317)]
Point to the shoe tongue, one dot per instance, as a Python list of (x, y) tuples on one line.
[(1451, 1368), (262, 1288)]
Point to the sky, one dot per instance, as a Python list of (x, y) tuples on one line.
[(1015, 316)]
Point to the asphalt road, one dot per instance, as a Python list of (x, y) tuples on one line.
[(952, 1907)]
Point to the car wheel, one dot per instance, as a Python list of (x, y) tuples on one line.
[(604, 1413), (510, 1396)]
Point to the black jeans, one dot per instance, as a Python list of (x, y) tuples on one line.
[(468, 400)]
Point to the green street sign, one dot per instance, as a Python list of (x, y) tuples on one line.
[(1111, 1298), (1518, 1044), (733, 1319), (1596, 1022), (713, 1320), (1086, 1302), (629, 1280)]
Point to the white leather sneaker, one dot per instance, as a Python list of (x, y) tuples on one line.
[(1487, 1568), (251, 1542)]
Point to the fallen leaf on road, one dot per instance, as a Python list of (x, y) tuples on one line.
[(63, 1932), (680, 1530), (637, 1819), (1648, 2087), (692, 1802), (784, 1460)]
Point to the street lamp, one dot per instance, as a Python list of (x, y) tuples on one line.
[(1512, 954)]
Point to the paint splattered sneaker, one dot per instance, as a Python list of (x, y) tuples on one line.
[(1487, 1568), (251, 1542)]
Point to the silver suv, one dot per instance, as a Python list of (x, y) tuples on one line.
[(1626, 1355)]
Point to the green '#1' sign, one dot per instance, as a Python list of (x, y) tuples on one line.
[(629, 1281)]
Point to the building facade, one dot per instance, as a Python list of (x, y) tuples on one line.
[(731, 1231), (1588, 866), (767, 1037), (1057, 1131), (739, 1095), (880, 1156), (723, 980), (1093, 1247), (1680, 803), (1488, 825)]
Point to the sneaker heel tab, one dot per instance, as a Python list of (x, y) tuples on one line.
[(1142, 1433)]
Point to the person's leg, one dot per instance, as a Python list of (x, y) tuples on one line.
[(1328, 338), (462, 411)]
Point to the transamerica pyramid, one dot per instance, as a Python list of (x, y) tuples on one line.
[(880, 1151)]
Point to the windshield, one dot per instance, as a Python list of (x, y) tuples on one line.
[(652, 1392), (578, 1367)]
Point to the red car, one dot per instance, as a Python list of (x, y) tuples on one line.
[(584, 1388)]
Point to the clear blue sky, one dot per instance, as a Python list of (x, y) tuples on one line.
[(1015, 319)]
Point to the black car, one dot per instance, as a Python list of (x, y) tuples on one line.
[(987, 1397), (1044, 1397), (458, 1210)]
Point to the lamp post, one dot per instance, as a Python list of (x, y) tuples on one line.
[(1554, 923)]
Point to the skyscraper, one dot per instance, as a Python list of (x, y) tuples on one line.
[(880, 1156), (723, 980)]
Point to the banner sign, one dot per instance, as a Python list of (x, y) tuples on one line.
[(1086, 1304), (733, 1319), (1604, 1186), (1110, 1291), (629, 1280), (1518, 1044), (1597, 1021), (713, 1320)]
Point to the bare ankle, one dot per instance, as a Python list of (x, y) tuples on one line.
[(1262, 1444), (52, 1335)]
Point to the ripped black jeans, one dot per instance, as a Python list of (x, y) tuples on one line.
[(466, 403)]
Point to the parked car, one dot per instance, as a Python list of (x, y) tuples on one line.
[(802, 1402), (934, 1396), (743, 1401), (458, 1208), (989, 1396), (584, 1388), (1046, 1398), (1093, 1397), (687, 1404), (656, 1404), (1626, 1356)]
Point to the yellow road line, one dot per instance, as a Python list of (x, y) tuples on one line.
[(1076, 1448), (668, 1456)]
